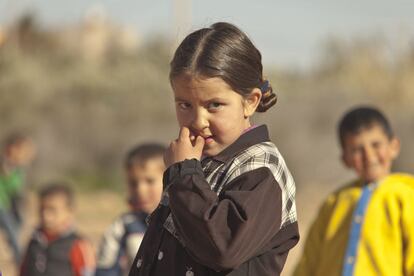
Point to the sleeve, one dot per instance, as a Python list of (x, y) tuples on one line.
[(308, 262), (110, 250), (222, 232), (82, 258), (407, 225), (27, 259), (16, 182), (24, 264)]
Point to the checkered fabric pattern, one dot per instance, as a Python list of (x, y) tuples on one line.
[(266, 155), (218, 174)]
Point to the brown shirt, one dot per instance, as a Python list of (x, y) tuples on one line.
[(232, 214)]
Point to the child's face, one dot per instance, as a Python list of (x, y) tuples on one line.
[(55, 214), (370, 153), (22, 153), (145, 185), (211, 109)]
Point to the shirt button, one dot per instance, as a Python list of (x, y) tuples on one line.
[(160, 255), (350, 260), (139, 263), (358, 219)]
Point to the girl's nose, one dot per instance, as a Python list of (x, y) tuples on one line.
[(199, 121)]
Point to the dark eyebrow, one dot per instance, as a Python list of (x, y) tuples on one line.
[(177, 99), (215, 100)]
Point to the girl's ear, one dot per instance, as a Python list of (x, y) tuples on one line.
[(251, 102)]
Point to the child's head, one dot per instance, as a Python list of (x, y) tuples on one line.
[(144, 167), (19, 149), (216, 74), (56, 208), (368, 143)]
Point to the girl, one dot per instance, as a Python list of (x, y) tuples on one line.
[(229, 206)]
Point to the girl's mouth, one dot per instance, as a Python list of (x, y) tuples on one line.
[(209, 139)]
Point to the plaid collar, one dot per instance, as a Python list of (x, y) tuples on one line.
[(251, 137)]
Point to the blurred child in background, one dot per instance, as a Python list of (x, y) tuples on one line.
[(366, 227), (18, 151), (144, 168), (56, 249)]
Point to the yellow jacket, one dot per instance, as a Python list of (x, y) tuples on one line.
[(386, 245)]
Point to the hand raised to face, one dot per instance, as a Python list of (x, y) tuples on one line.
[(184, 147)]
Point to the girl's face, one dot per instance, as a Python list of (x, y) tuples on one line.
[(211, 109)]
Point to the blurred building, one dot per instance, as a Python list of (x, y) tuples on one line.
[(93, 38), (96, 36)]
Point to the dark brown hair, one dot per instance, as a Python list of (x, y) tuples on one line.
[(58, 188), (15, 138), (140, 154), (362, 118), (223, 51)]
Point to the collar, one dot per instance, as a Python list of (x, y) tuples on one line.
[(45, 238), (249, 138), (140, 215)]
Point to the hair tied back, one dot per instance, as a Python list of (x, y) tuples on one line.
[(265, 87), (269, 98)]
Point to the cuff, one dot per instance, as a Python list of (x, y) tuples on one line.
[(180, 169)]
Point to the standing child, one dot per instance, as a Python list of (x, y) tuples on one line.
[(17, 153), (144, 167), (366, 227), (55, 247), (229, 206)]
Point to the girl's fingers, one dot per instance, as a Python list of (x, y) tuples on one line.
[(199, 144), (184, 133)]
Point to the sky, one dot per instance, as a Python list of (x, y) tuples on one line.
[(288, 33)]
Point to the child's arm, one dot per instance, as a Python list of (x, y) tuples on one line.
[(224, 232), (110, 250), (23, 265), (308, 262), (82, 258), (407, 227)]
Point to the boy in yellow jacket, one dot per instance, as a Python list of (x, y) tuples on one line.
[(366, 227)]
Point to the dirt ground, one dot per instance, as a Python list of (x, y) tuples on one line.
[(95, 211)]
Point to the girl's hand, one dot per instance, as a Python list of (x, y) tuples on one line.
[(185, 147)]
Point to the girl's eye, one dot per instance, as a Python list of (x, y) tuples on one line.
[(214, 106), (184, 106)]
